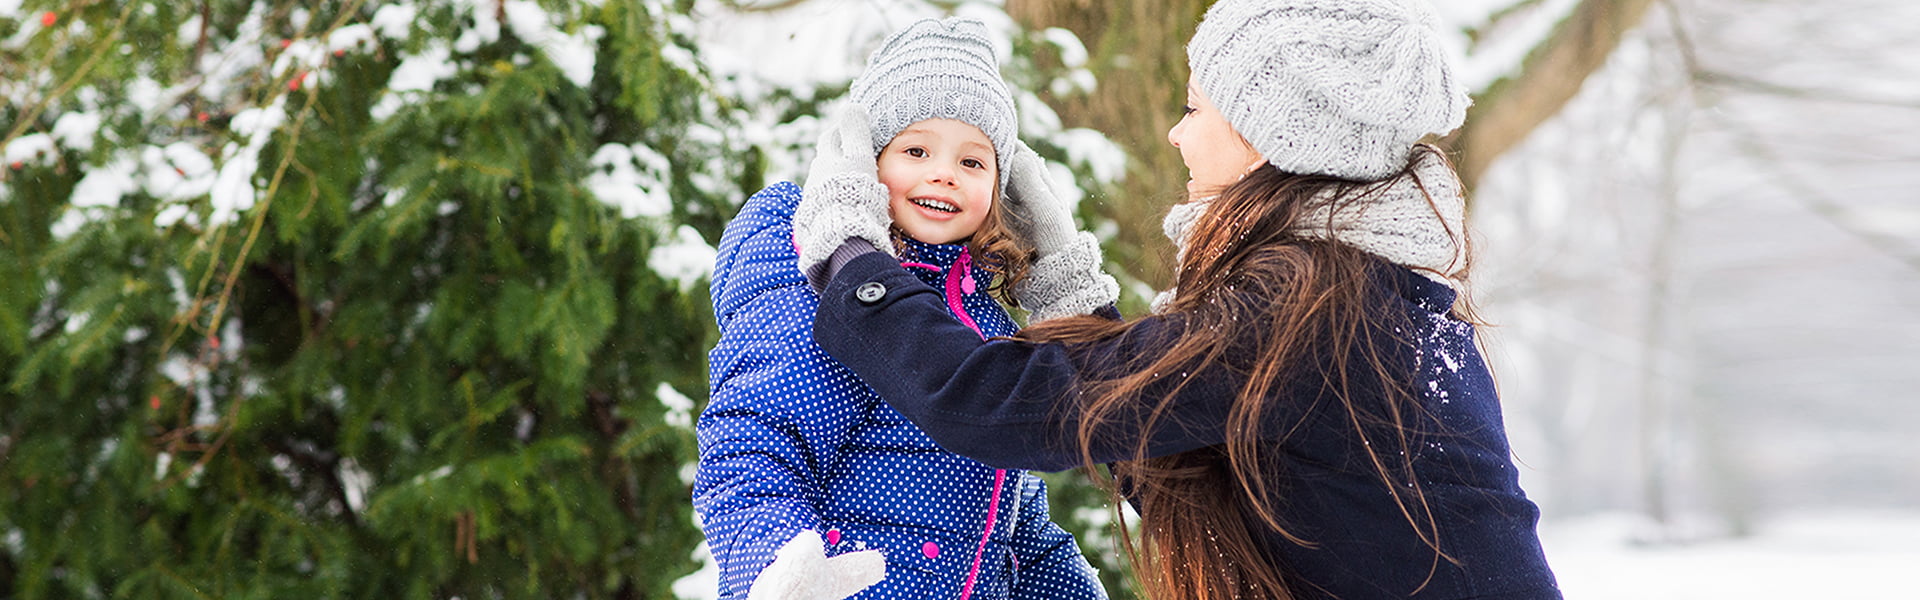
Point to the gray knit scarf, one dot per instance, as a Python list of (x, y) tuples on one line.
[(1395, 223)]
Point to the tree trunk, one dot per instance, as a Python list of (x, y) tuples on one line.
[(1138, 51), (1507, 111)]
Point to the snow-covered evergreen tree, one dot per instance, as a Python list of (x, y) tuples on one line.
[(354, 300)]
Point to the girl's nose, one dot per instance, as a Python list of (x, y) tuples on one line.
[(940, 174)]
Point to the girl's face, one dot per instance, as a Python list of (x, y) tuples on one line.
[(940, 176), (1215, 154)]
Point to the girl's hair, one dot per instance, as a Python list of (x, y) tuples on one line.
[(1281, 310), (1001, 258)]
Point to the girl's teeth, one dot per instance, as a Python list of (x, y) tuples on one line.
[(936, 205)]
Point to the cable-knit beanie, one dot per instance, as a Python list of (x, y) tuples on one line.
[(938, 69), (1328, 87)]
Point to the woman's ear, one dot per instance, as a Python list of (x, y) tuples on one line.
[(1258, 161)]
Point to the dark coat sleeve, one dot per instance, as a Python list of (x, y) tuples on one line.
[(1006, 403)]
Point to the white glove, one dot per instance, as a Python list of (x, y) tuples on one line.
[(1065, 279), (802, 571), (843, 197)]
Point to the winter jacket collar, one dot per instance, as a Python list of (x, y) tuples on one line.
[(1429, 294)]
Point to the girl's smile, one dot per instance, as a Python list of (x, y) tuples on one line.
[(941, 176)]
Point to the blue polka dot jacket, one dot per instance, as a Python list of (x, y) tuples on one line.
[(791, 440)]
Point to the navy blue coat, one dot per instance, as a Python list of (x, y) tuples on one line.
[(998, 402), (790, 440)]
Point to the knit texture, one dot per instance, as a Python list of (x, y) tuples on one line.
[(1394, 220), (1391, 219), (1067, 282), (1328, 87), (1066, 278), (844, 196), (938, 69)]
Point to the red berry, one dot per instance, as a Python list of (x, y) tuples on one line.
[(294, 86), (47, 19), (285, 42), (213, 342), (202, 117), (154, 401)]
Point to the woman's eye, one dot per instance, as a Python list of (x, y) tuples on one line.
[(1187, 109), (917, 152)]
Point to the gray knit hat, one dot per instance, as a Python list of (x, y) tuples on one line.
[(1328, 87), (938, 69)]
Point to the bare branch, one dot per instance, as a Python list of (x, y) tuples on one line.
[(1506, 112), (1778, 169), (1758, 86), (739, 6)]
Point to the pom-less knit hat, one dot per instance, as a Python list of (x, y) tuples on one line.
[(938, 69), (1328, 87)]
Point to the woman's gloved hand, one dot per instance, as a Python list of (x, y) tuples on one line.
[(843, 197), (802, 571), (1066, 278)]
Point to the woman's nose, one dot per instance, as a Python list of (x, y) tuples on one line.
[(1173, 134)]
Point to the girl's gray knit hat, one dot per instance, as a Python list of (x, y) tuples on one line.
[(1328, 87), (938, 69)]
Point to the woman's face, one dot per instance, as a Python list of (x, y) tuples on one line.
[(940, 175), (1215, 154)]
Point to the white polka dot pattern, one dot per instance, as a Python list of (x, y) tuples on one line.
[(791, 440)]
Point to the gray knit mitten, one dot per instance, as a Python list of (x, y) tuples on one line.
[(1065, 279), (843, 197)]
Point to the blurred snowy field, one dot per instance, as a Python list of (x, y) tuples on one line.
[(1839, 554)]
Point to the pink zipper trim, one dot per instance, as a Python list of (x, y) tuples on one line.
[(962, 273), (956, 280), (993, 510), (962, 270)]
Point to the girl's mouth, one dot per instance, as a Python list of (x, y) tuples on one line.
[(935, 204)]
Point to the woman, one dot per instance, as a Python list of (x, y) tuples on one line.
[(1306, 414)]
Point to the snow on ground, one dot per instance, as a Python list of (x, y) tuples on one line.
[(1827, 554), (1812, 554)]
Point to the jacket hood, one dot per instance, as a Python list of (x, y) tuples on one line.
[(756, 251)]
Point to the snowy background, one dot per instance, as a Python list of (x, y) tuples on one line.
[(1704, 277)]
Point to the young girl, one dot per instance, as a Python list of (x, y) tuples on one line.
[(799, 460), (1307, 414)]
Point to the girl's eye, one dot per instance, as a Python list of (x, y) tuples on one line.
[(973, 163), (917, 152)]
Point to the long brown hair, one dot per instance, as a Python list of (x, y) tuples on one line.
[(1262, 300)]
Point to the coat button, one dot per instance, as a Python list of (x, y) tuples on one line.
[(930, 549), (870, 292)]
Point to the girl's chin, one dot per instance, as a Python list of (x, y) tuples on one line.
[(931, 235)]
